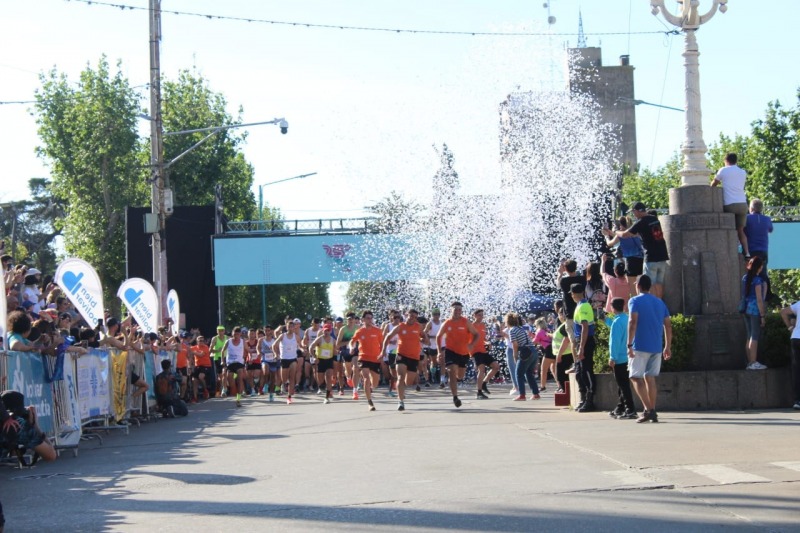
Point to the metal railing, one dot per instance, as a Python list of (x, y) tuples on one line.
[(305, 227)]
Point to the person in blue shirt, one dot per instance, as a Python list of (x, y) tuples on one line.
[(757, 229), (618, 360), (649, 317)]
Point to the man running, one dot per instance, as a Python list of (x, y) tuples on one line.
[(270, 367), (432, 366), (286, 347), (458, 333), (309, 336), (370, 340), (234, 363), (253, 362), (323, 349), (202, 367), (217, 342), (409, 347), (390, 349), (347, 353), (483, 360)]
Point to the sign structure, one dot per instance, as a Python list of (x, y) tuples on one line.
[(174, 311), (141, 300), (82, 286), (257, 260)]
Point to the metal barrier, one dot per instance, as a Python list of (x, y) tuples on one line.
[(76, 397)]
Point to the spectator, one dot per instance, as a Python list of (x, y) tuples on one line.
[(524, 354), (166, 389), (618, 360), (754, 291), (617, 285), (19, 329), (757, 230), (595, 289), (562, 347), (29, 435), (632, 253), (656, 255), (567, 277), (648, 315), (583, 349), (734, 199), (789, 316), (31, 292)]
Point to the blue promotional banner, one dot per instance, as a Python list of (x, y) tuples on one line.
[(93, 384), (249, 260), (784, 246), (141, 300), (26, 374), (82, 286)]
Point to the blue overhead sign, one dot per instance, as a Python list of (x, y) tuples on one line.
[(784, 246), (256, 260)]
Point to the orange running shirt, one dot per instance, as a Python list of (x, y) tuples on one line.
[(183, 357), (408, 340), (202, 355), (457, 335), (369, 341), (480, 344)]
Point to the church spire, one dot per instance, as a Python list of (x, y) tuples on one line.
[(581, 35)]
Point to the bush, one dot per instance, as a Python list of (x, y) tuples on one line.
[(683, 331), (775, 346)]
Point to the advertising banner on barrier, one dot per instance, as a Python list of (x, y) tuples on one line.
[(119, 383), (141, 300), (93, 380), (26, 375), (3, 319), (82, 286), (174, 311), (69, 432)]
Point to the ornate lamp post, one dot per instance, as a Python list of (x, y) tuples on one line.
[(695, 170)]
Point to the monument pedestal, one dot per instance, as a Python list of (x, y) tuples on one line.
[(704, 274)]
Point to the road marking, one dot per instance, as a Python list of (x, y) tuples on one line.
[(629, 477), (791, 465), (725, 475)]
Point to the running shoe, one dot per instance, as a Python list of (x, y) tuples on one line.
[(419, 389), (341, 392), (253, 394), (350, 383), (355, 395), (628, 415), (485, 388), (289, 400), (481, 396), (271, 397), (456, 401), (536, 397), (238, 403), (224, 393), (616, 412), (520, 398), (371, 407), (645, 417), (326, 401), (194, 400), (755, 365), (796, 405), (427, 384), (441, 385), (401, 407), (512, 392), (654, 416), (392, 394)]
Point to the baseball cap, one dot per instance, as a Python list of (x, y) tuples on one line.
[(639, 206), (339, 319), (296, 321), (220, 328), (436, 312), (34, 271), (185, 335), (327, 327)]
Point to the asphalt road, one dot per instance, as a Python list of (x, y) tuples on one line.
[(492, 465)]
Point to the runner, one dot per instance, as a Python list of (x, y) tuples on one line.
[(390, 349), (409, 347), (309, 372), (302, 360), (202, 367), (432, 365), (323, 349), (269, 363), (234, 363), (217, 342), (479, 352), (182, 364), (286, 347), (457, 333), (253, 362), (370, 339), (347, 353)]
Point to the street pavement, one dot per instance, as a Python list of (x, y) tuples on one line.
[(492, 465)]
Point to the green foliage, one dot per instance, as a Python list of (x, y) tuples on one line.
[(89, 140), (243, 303), (785, 284), (190, 104), (652, 187), (775, 347), (683, 332)]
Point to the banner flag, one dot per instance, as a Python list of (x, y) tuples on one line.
[(82, 286), (174, 310), (142, 302), (119, 383)]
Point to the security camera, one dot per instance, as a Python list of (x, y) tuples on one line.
[(284, 127)]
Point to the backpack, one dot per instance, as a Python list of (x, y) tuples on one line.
[(164, 388)]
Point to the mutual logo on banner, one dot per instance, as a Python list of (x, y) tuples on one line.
[(93, 384), (141, 300), (174, 310), (82, 286), (26, 375)]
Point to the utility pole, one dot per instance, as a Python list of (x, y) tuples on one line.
[(157, 160)]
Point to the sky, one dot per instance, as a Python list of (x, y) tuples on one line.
[(365, 108)]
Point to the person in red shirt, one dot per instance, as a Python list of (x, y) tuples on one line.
[(409, 347), (370, 340), (483, 359), (182, 362), (458, 335), (202, 367)]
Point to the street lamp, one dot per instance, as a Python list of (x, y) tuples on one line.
[(261, 220), (695, 170), (261, 191)]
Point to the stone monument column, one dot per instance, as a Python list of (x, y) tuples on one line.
[(705, 267)]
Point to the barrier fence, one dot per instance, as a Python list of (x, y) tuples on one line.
[(77, 396)]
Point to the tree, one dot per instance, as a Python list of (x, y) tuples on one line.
[(89, 141), (652, 187), (190, 104)]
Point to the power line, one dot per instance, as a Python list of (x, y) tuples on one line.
[(76, 95), (211, 16)]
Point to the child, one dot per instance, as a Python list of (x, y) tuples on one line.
[(544, 340), (618, 360)]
